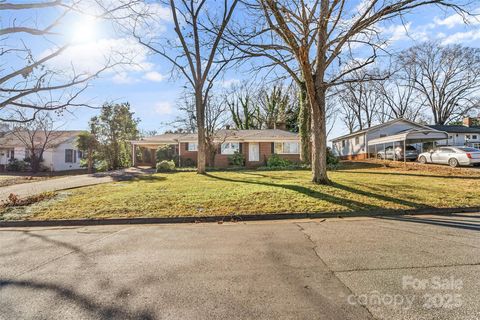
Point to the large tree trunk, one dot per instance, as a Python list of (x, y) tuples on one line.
[(319, 135), (211, 154), (201, 150), (35, 164), (35, 161), (304, 124)]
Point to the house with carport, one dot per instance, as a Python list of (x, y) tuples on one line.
[(365, 143)]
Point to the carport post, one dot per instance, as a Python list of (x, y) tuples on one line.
[(179, 154), (405, 151), (133, 155)]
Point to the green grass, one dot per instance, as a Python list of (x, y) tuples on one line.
[(261, 192)]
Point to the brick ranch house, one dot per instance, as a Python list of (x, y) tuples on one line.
[(256, 146)]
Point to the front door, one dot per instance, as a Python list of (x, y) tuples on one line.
[(253, 152)]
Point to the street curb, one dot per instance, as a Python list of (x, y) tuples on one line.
[(233, 218)]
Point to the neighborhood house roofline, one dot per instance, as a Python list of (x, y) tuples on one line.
[(378, 126), (10, 140), (456, 129), (272, 135), (412, 136)]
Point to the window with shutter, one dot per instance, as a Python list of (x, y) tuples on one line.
[(68, 156)]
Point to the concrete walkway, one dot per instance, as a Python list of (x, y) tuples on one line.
[(55, 184), (356, 268)]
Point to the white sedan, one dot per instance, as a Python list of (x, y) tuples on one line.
[(453, 156)]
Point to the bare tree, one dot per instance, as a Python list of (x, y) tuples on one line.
[(256, 40), (400, 98), (242, 102), (27, 78), (37, 136), (216, 117), (349, 117), (363, 101), (322, 36), (197, 53), (447, 78), (274, 103)]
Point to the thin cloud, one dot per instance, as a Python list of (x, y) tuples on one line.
[(163, 108), (154, 76)]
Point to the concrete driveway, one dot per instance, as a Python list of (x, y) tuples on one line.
[(68, 182), (363, 268)]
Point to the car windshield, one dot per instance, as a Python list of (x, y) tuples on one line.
[(467, 149), (411, 148)]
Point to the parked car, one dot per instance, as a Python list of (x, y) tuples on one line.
[(453, 156), (397, 154)]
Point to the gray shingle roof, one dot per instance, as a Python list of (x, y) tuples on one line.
[(10, 140), (377, 127), (456, 128), (225, 135)]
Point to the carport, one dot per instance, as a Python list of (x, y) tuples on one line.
[(411, 136)]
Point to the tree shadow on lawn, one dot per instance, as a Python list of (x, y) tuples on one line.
[(414, 175), (148, 179), (353, 165), (353, 205)]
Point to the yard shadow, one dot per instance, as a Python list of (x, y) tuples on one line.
[(353, 165), (149, 178), (125, 174), (86, 303), (414, 175), (350, 204), (380, 196), (440, 221)]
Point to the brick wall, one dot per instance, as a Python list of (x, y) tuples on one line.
[(221, 160), (360, 156), (187, 156)]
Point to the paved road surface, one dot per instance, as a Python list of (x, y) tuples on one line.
[(75, 181), (305, 269)]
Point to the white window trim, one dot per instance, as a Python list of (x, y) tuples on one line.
[(74, 156), (222, 149), (283, 147), (192, 144)]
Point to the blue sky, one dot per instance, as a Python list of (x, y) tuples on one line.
[(152, 91)]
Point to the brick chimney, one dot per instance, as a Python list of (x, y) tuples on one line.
[(467, 121), (281, 125)]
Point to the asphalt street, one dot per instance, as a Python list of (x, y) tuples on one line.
[(422, 267)]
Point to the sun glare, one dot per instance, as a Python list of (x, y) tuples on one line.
[(84, 30)]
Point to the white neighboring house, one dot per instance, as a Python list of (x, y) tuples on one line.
[(60, 155), (461, 135), (354, 146)]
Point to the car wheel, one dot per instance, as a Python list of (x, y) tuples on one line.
[(422, 160), (453, 162)]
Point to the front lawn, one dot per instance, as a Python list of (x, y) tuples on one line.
[(264, 192)]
